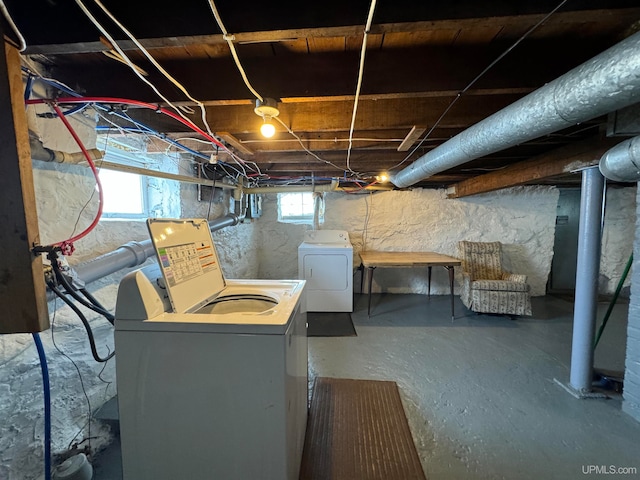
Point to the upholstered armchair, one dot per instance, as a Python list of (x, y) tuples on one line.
[(486, 287)]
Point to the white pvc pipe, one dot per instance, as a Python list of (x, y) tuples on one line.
[(40, 152), (328, 187)]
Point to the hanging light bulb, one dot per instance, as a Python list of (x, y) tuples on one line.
[(267, 109), (383, 177), (267, 129)]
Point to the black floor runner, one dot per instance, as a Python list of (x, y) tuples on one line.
[(330, 324)]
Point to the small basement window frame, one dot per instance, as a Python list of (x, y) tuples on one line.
[(297, 207), (113, 190)]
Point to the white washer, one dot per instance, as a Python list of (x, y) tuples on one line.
[(212, 373), (325, 261)]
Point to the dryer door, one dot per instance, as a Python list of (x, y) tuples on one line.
[(328, 277), (325, 272)]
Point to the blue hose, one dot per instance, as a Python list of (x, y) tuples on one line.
[(47, 406), (43, 366), (28, 87)]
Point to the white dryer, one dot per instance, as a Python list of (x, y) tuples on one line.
[(325, 261), (212, 373)]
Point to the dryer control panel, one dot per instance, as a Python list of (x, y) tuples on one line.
[(326, 236)]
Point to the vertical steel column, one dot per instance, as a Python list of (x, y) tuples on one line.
[(584, 316)]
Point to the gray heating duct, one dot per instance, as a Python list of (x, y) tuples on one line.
[(132, 254), (605, 83), (622, 162)]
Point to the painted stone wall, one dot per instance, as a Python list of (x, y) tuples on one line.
[(522, 218), (617, 237), (237, 245), (61, 193), (631, 395)]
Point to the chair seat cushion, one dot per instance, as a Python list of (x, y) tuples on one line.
[(499, 285)]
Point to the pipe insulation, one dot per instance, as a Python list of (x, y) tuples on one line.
[(607, 82), (133, 254), (622, 162)]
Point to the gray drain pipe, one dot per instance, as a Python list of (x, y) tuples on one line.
[(133, 254), (607, 82)]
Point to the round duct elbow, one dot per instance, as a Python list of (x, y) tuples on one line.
[(622, 162)]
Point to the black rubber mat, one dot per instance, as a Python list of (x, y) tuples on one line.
[(330, 324), (357, 430)]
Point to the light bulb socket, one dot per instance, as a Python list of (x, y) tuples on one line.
[(267, 107)]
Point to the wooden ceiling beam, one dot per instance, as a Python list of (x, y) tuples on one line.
[(287, 35), (235, 143), (389, 73), (372, 115), (387, 156), (411, 138), (557, 162)]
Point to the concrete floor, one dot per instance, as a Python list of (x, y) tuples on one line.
[(479, 393)]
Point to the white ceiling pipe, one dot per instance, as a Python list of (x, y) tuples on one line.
[(327, 187), (607, 82), (622, 162), (40, 152)]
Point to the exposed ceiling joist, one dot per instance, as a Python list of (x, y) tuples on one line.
[(514, 23), (235, 143), (561, 161), (420, 58), (411, 138)]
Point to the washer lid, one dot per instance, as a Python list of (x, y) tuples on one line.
[(188, 260)]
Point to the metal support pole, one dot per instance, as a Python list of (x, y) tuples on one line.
[(586, 299)]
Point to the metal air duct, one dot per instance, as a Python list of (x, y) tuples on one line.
[(622, 162), (607, 82)]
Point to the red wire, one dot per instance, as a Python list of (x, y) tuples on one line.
[(362, 187), (68, 244), (137, 103)]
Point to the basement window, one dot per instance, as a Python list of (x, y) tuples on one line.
[(297, 208), (124, 194)]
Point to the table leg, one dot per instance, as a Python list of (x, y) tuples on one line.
[(429, 282), (370, 274), (451, 276), (361, 268)]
